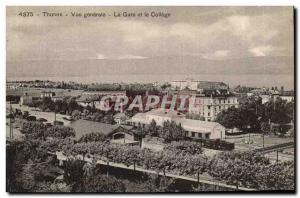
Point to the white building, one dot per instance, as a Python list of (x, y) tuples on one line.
[(287, 95), (198, 85), (206, 98), (203, 129), (265, 98), (287, 98), (210, 107), (49, 94), (193, 128)]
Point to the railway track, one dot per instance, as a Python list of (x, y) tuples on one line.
[(274, 148)]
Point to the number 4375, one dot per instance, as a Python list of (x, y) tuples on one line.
[(26, 14)]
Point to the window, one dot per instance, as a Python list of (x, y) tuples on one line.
[(193, 134), (207, 136), (199, 135)]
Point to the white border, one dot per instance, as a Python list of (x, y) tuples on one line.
[(4, 3)]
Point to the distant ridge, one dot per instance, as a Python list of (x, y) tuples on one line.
[(156, 65)]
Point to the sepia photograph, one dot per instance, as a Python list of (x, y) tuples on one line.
[(150, 99)]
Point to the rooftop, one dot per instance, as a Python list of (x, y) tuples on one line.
[(83, 127), (187, 124), (165, 113), (120, 115), (198, 125)]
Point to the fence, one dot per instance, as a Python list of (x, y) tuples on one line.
[(274, 147)]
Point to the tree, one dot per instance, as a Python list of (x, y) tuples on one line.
[(33, 129), (103, 183), (279, 111), (243, 117), (60, 132), (153, 129), (76, 114), (74, 174), (229, 118), (184, 147), (171, 131)]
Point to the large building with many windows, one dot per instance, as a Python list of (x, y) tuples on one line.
[(198, 85), (209, 107), (206, 98)]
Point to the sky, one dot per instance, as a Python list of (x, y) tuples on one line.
[(203, 33)]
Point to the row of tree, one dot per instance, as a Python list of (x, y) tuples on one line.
[(240, 169), (66, 106), (30, 170), (130, 87)]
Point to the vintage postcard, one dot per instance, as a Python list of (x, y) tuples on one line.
[(150, 99)]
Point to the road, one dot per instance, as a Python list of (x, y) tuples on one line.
[(49, 116)]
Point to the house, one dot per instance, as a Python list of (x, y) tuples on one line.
[(49, 94), (193, 128), (158, 115), (203, 129), (287, 95), (28, 98), (117, 133), (93, 101)]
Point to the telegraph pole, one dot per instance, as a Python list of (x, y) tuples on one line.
[(11, 132)]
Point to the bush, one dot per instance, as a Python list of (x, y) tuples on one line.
[(92, 137), (103, 183), (186, 147), (60, 132)]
